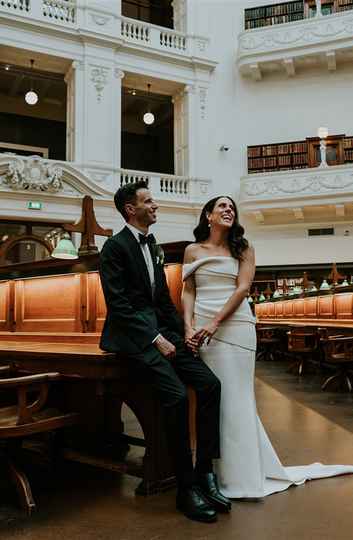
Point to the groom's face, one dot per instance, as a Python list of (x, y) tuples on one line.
[(145, 208)]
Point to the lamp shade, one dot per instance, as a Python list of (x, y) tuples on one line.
[(324, 286), (31, 97), (65, 249), (322, 132)]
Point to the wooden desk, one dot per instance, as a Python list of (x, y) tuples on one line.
[(97, 384), (316, 323)]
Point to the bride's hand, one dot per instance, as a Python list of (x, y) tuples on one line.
[(190, 341), (206, 333)]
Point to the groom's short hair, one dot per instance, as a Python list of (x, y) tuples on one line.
[(127, 194)]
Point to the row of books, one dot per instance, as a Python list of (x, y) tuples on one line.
[(279, 161), (279, 149), (270, 21), (274, 10), (348, 142)]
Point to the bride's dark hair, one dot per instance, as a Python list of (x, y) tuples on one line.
[(236, 241)]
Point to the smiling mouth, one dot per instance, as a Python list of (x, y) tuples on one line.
[(227, 218)]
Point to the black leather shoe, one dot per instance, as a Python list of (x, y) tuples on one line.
[(208, 484), (192, 503)]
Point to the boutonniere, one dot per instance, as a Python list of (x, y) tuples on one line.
[(159, 253)]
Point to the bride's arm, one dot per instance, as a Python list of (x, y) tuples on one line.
[(244, 280), (188, 301)]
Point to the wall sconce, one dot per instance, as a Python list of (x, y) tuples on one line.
[(322, 132), (31, 97), (224, 148)]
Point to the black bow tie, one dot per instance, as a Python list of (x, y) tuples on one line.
[(147, 239)]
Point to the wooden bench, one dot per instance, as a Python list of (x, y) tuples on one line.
[(53, 323)]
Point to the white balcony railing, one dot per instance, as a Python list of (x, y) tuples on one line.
[(34, 174), (79, 17), (320, 186), (306, 43), (168, 187)]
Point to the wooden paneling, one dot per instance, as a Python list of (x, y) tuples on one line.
[(279, 309), (310, 307), (174, 279), (288, 308), (5, 306), (48, 304), (271, 310), (344, 306), (101, 308), (326, 307), (298, 307)]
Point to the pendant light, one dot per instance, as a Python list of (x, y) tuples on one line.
[(148, 117), (31, 97)]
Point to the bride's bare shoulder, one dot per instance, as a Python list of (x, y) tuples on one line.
[(191, 252)]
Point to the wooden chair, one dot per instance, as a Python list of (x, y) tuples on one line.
[(302, 344), (27, 417), (338, 352), (268, 341)]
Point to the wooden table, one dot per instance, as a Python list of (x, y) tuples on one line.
[(96, 384)]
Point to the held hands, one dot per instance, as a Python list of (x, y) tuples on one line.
[(206, 333), (166, 348), (190, 341)]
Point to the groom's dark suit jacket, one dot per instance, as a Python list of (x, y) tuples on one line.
[(134, 317)]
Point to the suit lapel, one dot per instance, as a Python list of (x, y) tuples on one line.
[(137, 254)]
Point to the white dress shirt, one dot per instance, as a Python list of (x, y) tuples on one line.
[(146, 254)]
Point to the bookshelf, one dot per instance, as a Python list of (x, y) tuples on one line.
[(299, 154), (278, 157), (291, 11), (274, 14)]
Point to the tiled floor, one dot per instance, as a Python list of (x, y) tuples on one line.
[(304, 424)]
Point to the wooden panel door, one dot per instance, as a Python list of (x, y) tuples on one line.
[(48, 304), (173, 274)]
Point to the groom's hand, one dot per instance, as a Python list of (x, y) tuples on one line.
[(166, 348)]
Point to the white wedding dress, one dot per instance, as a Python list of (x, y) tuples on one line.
[(249, 466)]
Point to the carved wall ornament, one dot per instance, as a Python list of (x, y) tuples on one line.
[(33, 174), (99, 19), (118, 73), (304, 185), (203, 98), (99, 77)]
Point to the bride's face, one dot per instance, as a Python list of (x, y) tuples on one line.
[(223, 214)]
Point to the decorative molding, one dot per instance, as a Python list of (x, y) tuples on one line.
[(297, 189), (203, 101), (33, 174), (99, 77), (118, 73), (263, 45), (99, 19)]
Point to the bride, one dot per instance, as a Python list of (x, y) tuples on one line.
[(218, 272)]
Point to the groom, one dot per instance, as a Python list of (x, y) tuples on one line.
[(143, 323)]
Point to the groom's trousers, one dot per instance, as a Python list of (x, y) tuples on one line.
[(168, 378)]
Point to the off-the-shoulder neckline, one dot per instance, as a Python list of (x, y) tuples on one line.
[(211, 257)]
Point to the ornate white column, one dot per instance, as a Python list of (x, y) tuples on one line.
[(191, 131), (94, 116), (179, 15)]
